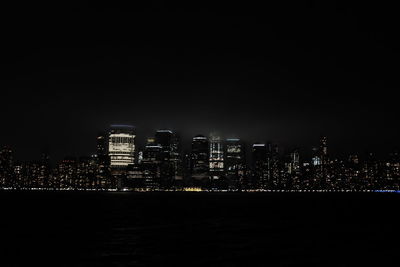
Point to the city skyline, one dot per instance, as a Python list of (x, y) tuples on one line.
[(140, 142), (201, 133), (212, 163), (269, 76)]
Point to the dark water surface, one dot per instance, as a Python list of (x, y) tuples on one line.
[(198, 229)]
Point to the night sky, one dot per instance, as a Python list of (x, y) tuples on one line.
[(287, 73)]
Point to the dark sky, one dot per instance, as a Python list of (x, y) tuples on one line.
[(287, 73)]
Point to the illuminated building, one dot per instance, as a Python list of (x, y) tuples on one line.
[(371, 172), (294, 164), (323, 148), (33, 174), (170, 157), (200, 157), (187, 168), (150, 163), (211, 165), (103, 162), (234, 162), (260, 165), (101, 145), (393, 170), (290, 177), (19, 175), (66, 173), (152, 152), (320, 161), (274, 169), (164, 139), (121, 146), (176, 158), (266, 166), (234, 155), (44, 171), (216, 160), (86, 173), (140, 177), (135, 178), (316, 159)]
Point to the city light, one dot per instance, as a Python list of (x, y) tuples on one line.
[(212, 165)]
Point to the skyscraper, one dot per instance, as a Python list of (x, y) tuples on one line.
[(146, 175), (121, 146), (289, 178), (176, 158), (234, 162), (171, 162), (151, 162), (152, 152), (103, 162), (164, 139), (86, 172), (101, 144), (294, 163), (200, 157), (216, 161), (260, 165), (316, 157), (66, 172), (44, 171)]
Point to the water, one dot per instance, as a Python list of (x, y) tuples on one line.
[(198, 229)]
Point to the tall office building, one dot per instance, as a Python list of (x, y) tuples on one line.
[(294, 163), (289, 177), (152, 152), (121, 146), (316, 157), (101, 144), (266, 166), (176, 158), (320, 163), (66, 173), (216, 160), (146, 174), (171, 162), (200, 157), (86, 172), (260, 165), (273, 171), (103, 162), (234, 162), (164, 139), (19, 173), (44, 171)]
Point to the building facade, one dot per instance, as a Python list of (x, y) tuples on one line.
[(216, 160), (121, 146)]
